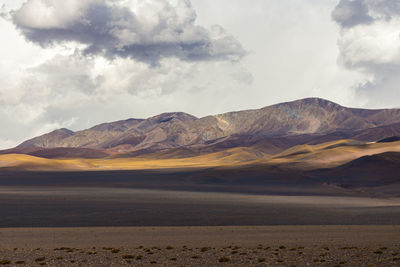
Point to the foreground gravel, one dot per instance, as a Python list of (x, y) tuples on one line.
[(260, 255), (202, 246)]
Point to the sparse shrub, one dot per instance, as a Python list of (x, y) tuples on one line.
[(20, 262), (40, 259), (128, 256), (224, 259), (139, 257), (172, 259), (205, 249), (115, 250), (261, 260), (5, 262), (169, 247)]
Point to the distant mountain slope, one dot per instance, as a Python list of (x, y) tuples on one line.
[(271, 129), (370, 171)]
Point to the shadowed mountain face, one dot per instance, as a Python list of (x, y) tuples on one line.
[(271, 130)]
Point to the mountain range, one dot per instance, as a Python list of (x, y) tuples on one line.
[(269, 130), (311, 143)]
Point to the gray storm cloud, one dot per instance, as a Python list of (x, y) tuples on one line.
[(142, 30), (370, 43)]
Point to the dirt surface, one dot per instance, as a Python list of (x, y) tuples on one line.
[(202, 246), (87, 207)]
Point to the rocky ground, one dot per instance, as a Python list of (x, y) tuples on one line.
[(260, 255), (202, 246)]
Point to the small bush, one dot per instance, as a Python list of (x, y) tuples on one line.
[(224, 259), (4, 262), (128, 256), (40, 259)]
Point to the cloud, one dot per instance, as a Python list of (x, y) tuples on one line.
[(146, 31), (349, 13), (370, 44)]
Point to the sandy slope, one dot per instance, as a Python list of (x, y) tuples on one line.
[(329, 154)]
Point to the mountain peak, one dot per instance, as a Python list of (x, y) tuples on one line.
[(63, 131), (168, 116), (313, 101)]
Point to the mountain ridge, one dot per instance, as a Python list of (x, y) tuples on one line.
[(304, 119)]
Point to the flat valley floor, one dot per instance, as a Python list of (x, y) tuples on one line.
[(56, 221)]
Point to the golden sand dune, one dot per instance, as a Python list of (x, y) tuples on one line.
[(329, 154)]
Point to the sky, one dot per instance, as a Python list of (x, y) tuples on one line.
[(77, 63)]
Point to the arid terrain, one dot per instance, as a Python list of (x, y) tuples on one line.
[(304, 183), (310, 140), (202, 246)]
